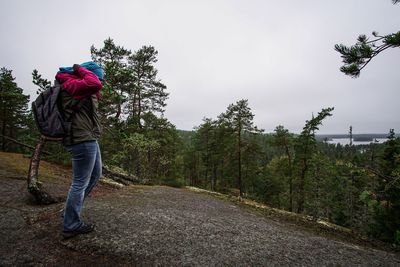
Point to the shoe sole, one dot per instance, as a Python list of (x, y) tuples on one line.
[(88, 229)]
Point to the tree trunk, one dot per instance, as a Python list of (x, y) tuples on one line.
[(139, 113), (22, 144), (138, 167), (41, 197), (3, 132), (352, 200), (119, 109), (240, 163), (198, 173), (121, 178), (290, 193), (300, 206), (317, 189), (214, 178), (290, 177)]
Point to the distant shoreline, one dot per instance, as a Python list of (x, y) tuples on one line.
[(322, 137), (356, 137)]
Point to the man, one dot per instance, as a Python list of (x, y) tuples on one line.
[(81, 87)]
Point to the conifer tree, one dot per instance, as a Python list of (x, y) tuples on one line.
[(132, 112), (113, 59), (387, 208), (357, 56), (42, 83), (146, 93), (284, 140), (204, 144), (13, 107), (239, 118), (305, 148)]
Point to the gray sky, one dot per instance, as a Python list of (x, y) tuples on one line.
[(277, 54)]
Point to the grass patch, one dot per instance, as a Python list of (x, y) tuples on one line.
[(18, 164)]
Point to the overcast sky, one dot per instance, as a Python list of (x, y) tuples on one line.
[(277, 54)]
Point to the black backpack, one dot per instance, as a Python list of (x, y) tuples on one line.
[(49, 114)]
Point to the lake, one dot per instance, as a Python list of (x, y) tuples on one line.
[(346, 141)]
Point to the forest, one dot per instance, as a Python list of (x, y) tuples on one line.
[(353, 186)]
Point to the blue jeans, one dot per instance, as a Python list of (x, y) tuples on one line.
[(86, 166)]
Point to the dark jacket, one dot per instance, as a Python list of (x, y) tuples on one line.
[(84, 88)]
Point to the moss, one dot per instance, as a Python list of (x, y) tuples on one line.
[(18, 164)]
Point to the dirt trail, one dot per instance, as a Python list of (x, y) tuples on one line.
[(161, 226)]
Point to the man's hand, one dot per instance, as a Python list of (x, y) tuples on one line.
[(75, 67)]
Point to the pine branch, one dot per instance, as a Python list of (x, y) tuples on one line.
[(356, 57), (392, 180), (22, 144)]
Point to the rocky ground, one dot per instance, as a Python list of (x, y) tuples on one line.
[(160, 226)]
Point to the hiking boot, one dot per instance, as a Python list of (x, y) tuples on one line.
[(84, 229)]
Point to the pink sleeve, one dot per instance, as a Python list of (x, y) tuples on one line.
[(80, 87)]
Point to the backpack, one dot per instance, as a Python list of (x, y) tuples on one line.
[(49, 114)]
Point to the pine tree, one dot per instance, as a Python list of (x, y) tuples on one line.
[(132, 112), (357, 56), (204, 145), (305, 148), (284, 140), (239, 118), (387, 212), (13, 107), (117, 79), (40, 82), (146, 93)]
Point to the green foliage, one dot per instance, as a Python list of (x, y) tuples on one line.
[(42, 83), (147, 93), (136, 135), (387, 193), (357, 56), (117, 79), (131, 87), (239, 117), (239, 120), (225, 152), (369, 199), (384, 198), (208, 155), (390, 160), (13, 109), (136, 147), (397, 238), (305, 148), (274, 183), (284, 140)]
